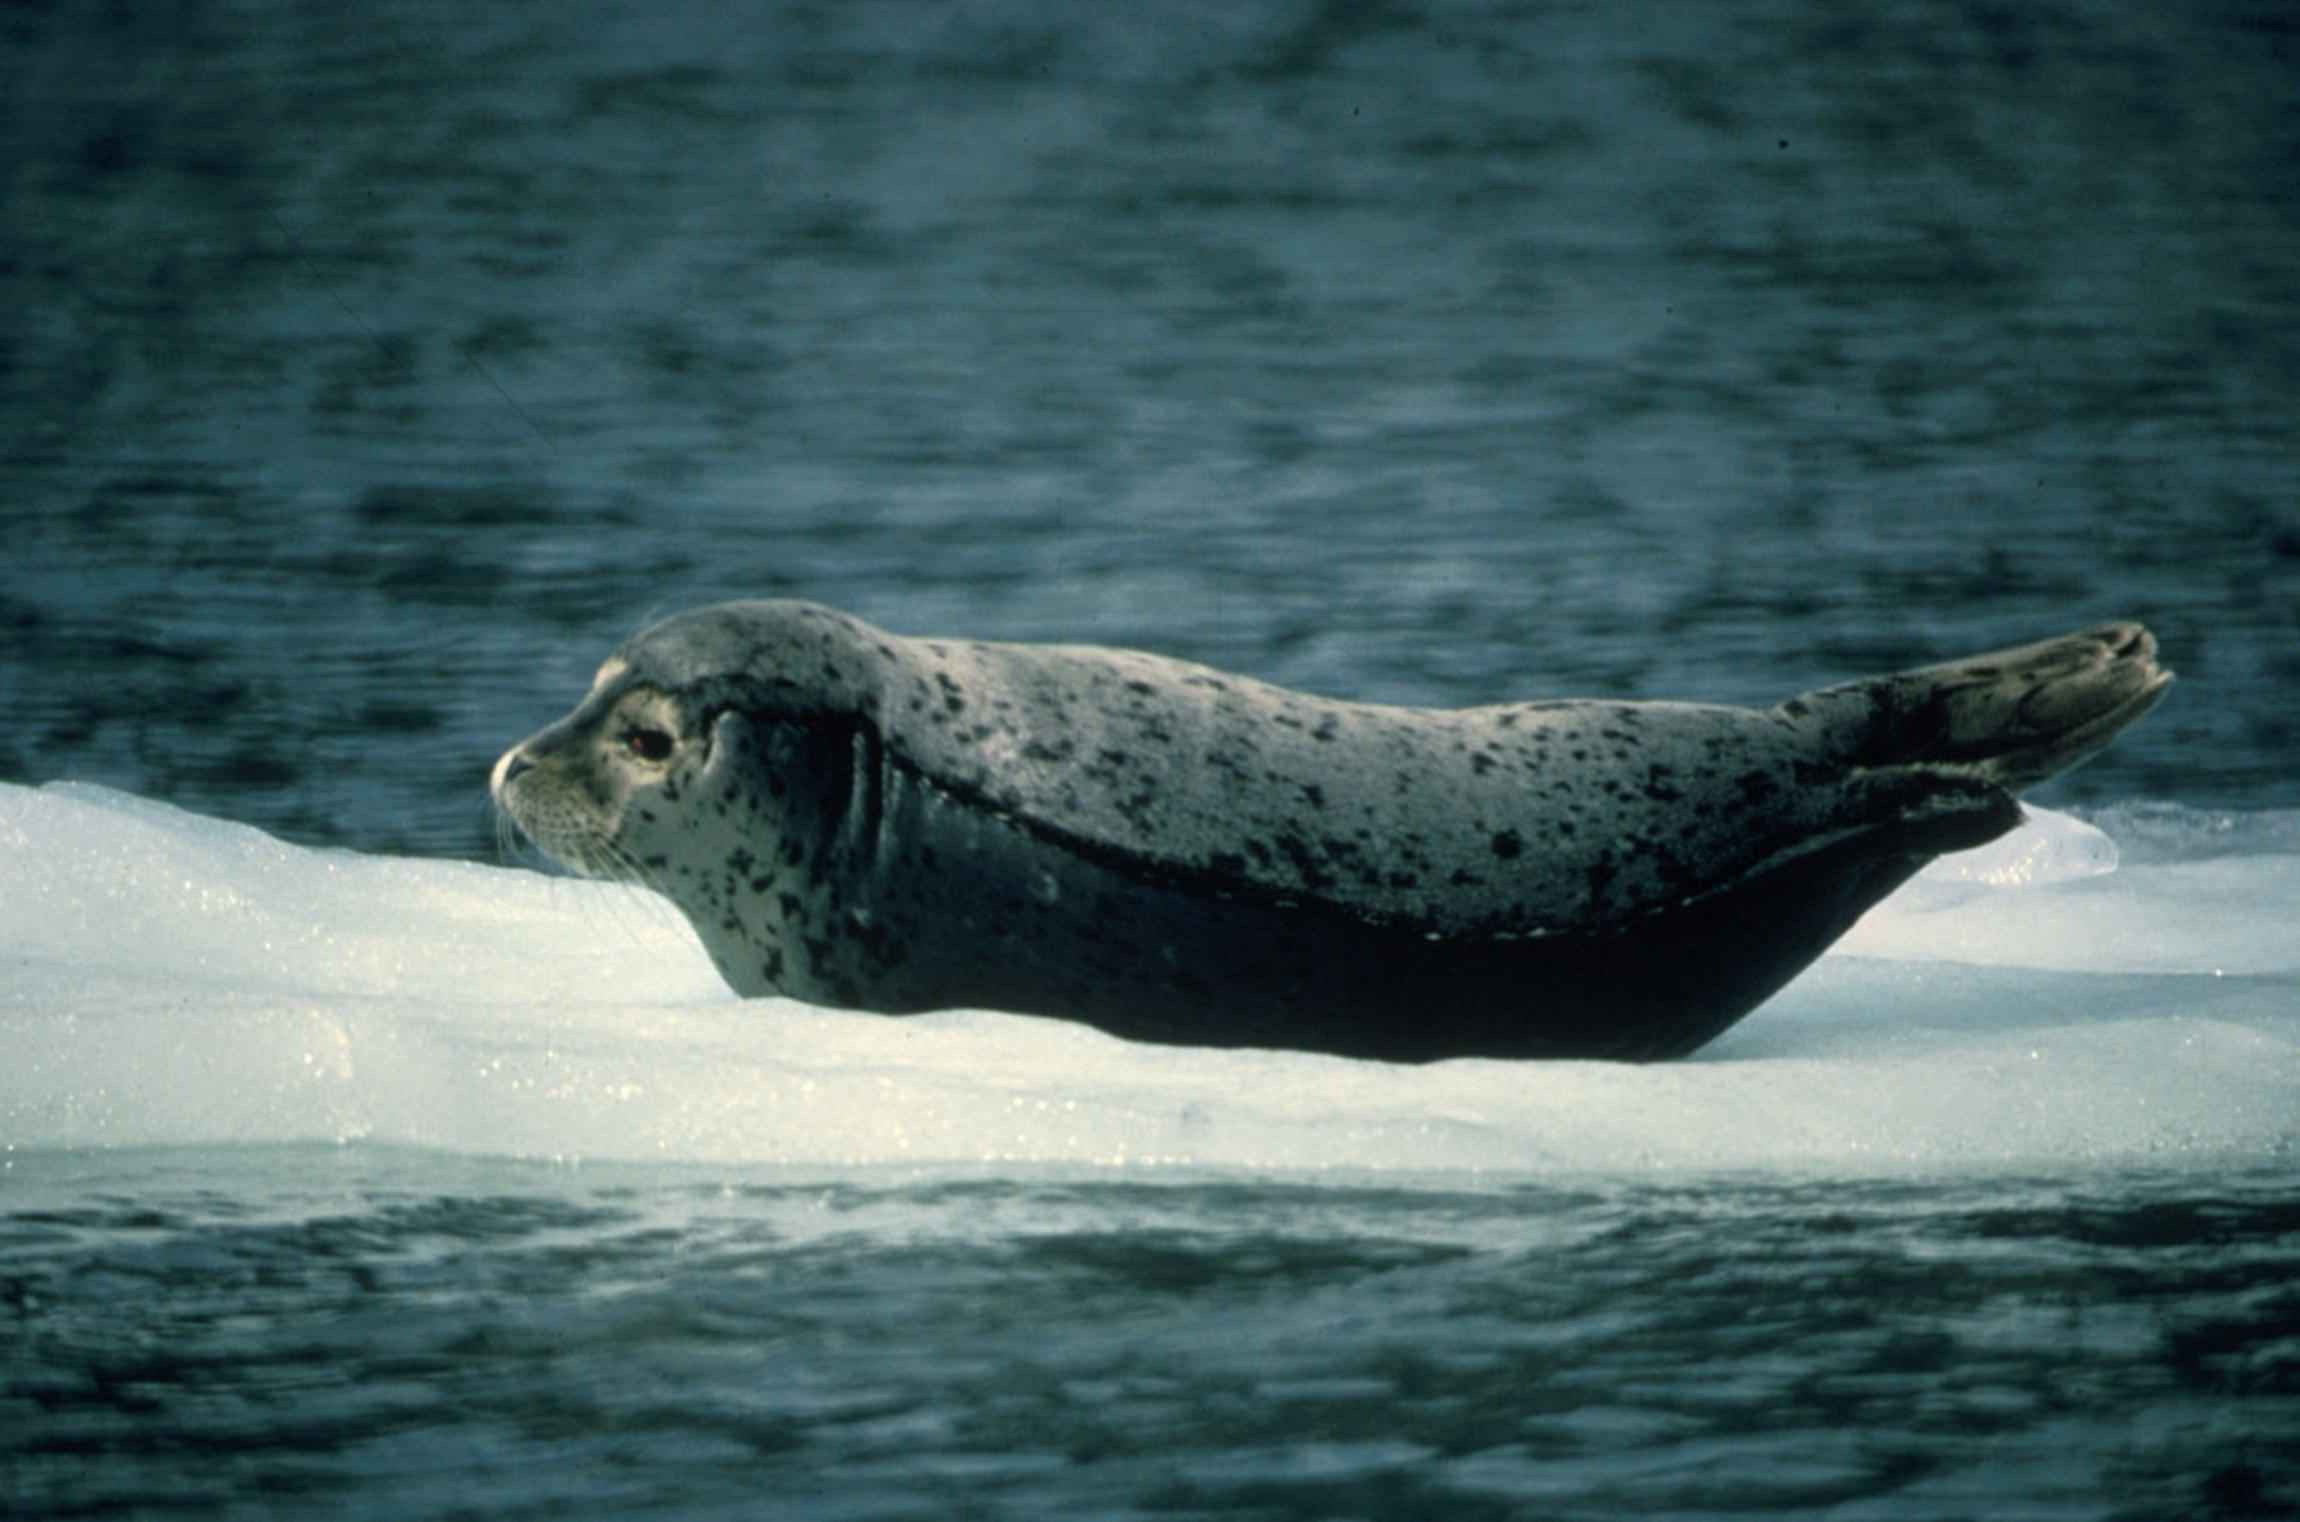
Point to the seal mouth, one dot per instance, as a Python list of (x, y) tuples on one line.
[(572, 842), (560, 829)]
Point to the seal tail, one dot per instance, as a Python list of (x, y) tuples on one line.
[(2010, 718)]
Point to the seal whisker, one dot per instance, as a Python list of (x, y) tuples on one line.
[(507, 839), (638, 902)]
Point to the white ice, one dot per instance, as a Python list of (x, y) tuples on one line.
[(172, 980)]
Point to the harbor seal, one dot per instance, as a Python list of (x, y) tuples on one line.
[(1177, 854)]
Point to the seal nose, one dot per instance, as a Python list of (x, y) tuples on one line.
[(512, 764)]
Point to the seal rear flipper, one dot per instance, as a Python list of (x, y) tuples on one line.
[(2013, 717)]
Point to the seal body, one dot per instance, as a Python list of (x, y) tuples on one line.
[(1178, 854)]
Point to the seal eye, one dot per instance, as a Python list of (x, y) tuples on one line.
[(647, 744)]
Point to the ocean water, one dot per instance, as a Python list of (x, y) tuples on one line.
[(364, 377)]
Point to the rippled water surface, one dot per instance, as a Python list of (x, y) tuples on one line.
[(366, 374), (363, 383), (1058, 1347)]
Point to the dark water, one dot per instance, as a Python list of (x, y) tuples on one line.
[(364, 379), (1063, 1347), (365, 373)]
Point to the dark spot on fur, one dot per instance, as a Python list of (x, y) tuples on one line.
[(1507, 845), (1757, 787), (1306, 866), (1314, 795)]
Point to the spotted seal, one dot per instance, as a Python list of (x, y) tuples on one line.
[(1177, 854)]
